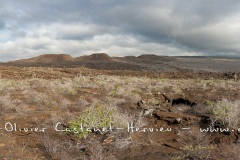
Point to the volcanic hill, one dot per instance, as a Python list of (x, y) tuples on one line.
[(146, 63), (46, 58), (95, 57)]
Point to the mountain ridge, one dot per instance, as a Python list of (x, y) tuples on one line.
[(146, 63)]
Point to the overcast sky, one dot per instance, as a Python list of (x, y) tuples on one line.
[(119, 27)]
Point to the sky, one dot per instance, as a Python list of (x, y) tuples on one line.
[(30, 28)]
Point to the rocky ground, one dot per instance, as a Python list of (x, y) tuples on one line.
[(174, 115)]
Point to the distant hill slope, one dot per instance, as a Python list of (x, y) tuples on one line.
[(146, 63), (46, 58), (147, 59), (156, 58), (99, 61), (95, 57)]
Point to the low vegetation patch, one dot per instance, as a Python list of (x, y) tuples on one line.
[(198, 152), (226, 111), (99, 117)]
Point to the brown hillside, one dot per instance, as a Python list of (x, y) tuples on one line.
[(95, 57), (47, 58), (155, 57)]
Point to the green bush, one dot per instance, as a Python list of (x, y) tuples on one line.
[(93, 117)]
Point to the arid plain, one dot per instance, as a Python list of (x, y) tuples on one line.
[(101, 107)]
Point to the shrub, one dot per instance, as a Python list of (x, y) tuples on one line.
[(93, 117), (225, 111), (7, 85)]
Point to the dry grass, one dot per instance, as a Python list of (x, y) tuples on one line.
[(226, 111), (64, 99), (196, 145)]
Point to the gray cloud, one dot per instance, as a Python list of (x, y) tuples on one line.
[(125, 27), (2, 25)]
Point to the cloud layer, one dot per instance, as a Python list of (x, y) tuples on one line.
[(126, 27)]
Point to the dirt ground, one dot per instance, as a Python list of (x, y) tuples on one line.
[(166, 114)]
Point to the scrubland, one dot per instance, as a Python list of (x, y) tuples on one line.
[(107, 102)]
